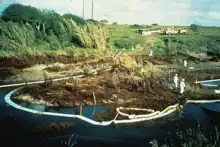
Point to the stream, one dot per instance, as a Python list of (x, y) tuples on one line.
[(19, 127)]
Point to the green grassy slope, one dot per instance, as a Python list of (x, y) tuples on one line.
[(28, 30), (202, 40), (69, 34)]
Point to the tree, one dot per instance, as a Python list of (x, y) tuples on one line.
[(78, 20), (124, 43), (154, 24), (23, 27), (136, 26), (93, 21), (21, 13), (194, 27)]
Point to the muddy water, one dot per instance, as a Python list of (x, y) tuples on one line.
[(20, 126)]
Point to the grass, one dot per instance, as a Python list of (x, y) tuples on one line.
[(206, 38), (209, 31), (142, 44), (76, 52), (72, 37), (191, 138)]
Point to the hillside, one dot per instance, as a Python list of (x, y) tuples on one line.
[(198, 40), (28, 30)]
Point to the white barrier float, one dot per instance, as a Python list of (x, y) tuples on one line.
[(205, 101), (53, 80), (132, 118), (167, 111), (207, 81), (41, 81)]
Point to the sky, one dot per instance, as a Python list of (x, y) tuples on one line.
[(163, 12)]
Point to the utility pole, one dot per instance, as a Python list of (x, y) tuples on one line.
[(83, 9), (92, 9)]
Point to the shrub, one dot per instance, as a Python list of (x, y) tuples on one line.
[(154, 24), (194, 27), (191, 138), (77, 19), (125, 43), (23, 27)]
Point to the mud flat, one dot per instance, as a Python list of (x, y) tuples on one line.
[(32, 68), (25, 61), (116, 88), (53, 70), (132, 82)]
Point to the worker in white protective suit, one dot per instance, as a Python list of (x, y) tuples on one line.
[(151, 53), (185, 63), (182, 86), (175, 80)]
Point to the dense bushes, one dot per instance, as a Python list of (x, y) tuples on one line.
[(127, 42), (124, 44), (23, 27), (20, 13), (192, 43), (194, 27)]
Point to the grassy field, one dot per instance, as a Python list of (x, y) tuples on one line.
[(202, 40), (47, 32), (139, 43)]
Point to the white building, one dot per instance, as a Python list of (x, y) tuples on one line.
[(148, 32)]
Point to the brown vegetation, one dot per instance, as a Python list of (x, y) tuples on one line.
[(134, 81)]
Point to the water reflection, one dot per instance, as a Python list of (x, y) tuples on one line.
[(87, 111), (210, 84)]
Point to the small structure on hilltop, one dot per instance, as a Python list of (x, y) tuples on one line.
[(147, 32), (172, 30), (166, 31)]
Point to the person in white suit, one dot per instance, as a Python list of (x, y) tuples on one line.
[(151, 53), (185, 63), (182, 86), (175, 80)]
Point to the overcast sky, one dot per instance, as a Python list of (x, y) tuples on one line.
[(166, 12)]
